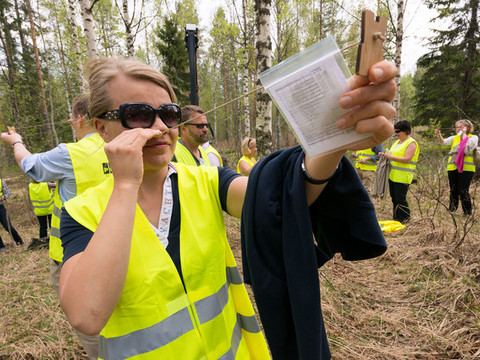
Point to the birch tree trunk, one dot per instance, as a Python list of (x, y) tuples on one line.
[(89, 29), (398, 53), (39, 74), (128, 29), (76, 45), (246, 103), (263, 129)]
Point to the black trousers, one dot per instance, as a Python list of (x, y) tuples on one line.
[(45, 222), (459, 189), (6, 223), (398, 193)]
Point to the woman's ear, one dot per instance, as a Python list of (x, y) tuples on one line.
[(101, 129)]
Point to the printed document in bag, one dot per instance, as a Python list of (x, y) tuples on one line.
[(306, 88)]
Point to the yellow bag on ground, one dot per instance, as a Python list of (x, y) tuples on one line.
[(389, 226)]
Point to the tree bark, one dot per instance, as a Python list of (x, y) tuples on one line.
[(398, 53), (76, 45), (246, 101), (39, 74), (263, 61), (89, 29), (128, 29)]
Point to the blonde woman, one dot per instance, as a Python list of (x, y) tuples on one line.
[(460, 165), (147, 263), (247, 161)]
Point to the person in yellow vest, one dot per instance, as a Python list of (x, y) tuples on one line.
[(192, 135), (76, 167), (41, 197), (213, 155), (460, 164), (366, 161), (247, 161), (5, 219), (146, 260), (403, 156)]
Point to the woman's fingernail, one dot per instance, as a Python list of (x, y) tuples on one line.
[(378, 73), (345, 101), (341, 123)]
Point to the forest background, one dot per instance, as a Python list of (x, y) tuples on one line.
[(44, 45), (420, 300)]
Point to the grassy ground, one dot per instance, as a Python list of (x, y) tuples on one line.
[(420, 300)]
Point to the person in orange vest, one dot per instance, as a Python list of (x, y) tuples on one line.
[(460, 164), (150, 243)]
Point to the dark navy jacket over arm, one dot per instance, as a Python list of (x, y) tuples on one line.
[(280, 256)]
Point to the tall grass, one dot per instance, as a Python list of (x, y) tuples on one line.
[(420, 300)]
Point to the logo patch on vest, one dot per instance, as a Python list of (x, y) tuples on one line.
[(106, 168)]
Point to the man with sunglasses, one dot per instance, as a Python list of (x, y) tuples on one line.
[(193, 133), (76, 167)]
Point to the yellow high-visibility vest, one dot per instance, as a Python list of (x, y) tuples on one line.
[(209, 315), (249, 161), (184, 156), (41, 198), (370, 165), (211, 150), (468, 163), (91, 167), (403, 172)]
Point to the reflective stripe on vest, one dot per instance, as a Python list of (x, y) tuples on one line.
[(403, 172), (91, 167), (249, 161), (161, 334), (184, 156), (41, 198), (213, 318), (468, 163), (370, 165)]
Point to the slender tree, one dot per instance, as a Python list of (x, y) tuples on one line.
[(76, 44), (39, 74), (89, 28), (263, 62)]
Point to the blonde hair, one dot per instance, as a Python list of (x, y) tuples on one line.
[(246, 145), (468, 124), (102, 71)]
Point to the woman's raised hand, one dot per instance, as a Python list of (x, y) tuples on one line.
[(125, 154), (370, 103)]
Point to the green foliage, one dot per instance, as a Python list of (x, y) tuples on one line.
[(449, 76), (108, 31), (172, 50), (407, 93)]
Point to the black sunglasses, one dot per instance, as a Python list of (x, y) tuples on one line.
[(141, 115), (199, 126), (397, 131)]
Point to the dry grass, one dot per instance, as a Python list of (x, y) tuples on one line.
[(420, 300)]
